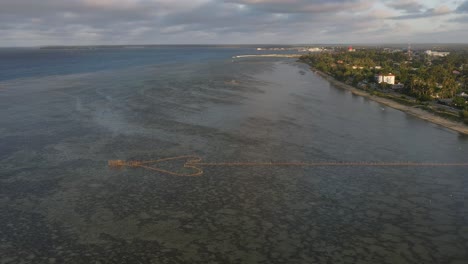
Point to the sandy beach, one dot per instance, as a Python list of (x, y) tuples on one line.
[(456, 126)]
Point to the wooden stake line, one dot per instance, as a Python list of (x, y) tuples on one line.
[(195, 164)]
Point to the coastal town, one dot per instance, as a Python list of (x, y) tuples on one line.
[(433, 80)]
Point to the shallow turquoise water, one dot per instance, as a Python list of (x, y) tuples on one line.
[(65, 116)]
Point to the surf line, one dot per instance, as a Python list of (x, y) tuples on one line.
[(195, 165)]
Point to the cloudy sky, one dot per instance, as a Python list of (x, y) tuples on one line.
[(87, 22)]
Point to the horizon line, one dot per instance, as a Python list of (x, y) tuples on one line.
[(244, 44)]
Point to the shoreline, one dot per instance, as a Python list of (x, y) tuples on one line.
[(268, 55), (419, 113)]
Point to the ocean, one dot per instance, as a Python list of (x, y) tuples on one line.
[(64, 113)]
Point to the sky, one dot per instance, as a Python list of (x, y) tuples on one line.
[(102, 22)]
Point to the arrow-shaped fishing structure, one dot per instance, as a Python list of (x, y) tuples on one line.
[(196, 164)]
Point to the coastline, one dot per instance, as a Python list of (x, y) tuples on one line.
[(419, 113), (268, 55)]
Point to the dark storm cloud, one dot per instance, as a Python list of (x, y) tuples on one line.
[(50, 7), (223, 17), (462, 11), (409, 6), (102, 12), (304, 6), (101, 20), (76, 11), (463, 8), (46, 22), (431, 12), (241, 18)]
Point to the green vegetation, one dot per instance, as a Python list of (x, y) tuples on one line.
[(459, 102), (464, 115), (421, 78)]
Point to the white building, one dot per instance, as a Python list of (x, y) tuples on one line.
[(385, 78), (437, 53), (314, 49)]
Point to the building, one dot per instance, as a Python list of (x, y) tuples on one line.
[(350, 49), (385, 78), (437, 53), (315, 49)]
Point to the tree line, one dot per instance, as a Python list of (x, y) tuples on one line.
[(423, 76)]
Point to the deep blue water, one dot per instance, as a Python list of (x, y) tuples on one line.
[(65, 113), (23, 63)]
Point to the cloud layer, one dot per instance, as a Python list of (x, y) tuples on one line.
[(71, 22)]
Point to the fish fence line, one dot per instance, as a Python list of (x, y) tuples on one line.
[(195, 164)]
